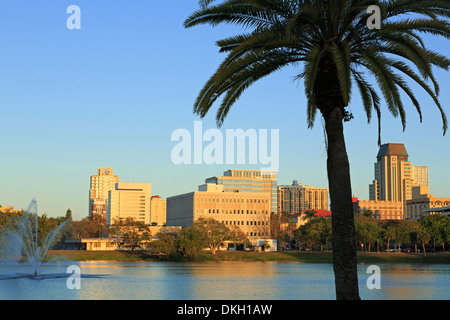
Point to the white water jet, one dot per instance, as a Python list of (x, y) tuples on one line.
[(25, 239)]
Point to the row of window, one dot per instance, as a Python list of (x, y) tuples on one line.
[(231, 200), (245, 223), (226, 211), (381, 208)]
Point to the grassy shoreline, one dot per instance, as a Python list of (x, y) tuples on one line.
[(284, 256)]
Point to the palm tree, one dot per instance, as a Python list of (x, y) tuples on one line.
[(337, 49)]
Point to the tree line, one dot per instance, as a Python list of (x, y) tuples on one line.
[(371, 234), (375, 235)]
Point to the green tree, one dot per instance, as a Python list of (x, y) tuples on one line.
[(166, 244), (320, 231), (191, 243), (316, 232), (281, 226), (310, 214), (45, 225), (436, 226), (67, 231), (100, 224), (424, 237), (390, 232), (445, 231), (331, 38), (85, 228), (238, 236), (213, 232), (403, 233), (132, 234), (367, 229)]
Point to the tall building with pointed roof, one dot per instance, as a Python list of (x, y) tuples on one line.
[(392, 174)]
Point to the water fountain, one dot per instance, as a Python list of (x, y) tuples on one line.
[(24, 239)]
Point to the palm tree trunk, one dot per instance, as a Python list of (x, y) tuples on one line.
[(343, 223)]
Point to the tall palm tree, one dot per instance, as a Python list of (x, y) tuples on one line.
[(338, 51)]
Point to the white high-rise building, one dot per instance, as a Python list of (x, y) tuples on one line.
[(129, 200), (100, 184)]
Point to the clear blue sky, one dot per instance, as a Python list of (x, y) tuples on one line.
[(112, 93)]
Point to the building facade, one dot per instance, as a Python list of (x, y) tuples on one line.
[(129, 200), (395, 176), (381, 210), (248, 211), (392, 174), (297, 198), (249, 181), (100, 185), (420, 176), (423, 202), (158, 211)]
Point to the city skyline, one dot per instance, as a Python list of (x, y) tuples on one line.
[(112, 93)]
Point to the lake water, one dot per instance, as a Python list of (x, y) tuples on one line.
[(105, 280)]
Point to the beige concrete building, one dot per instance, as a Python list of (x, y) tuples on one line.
[(255, 181), (129, 200), (423, 202), (249, 211), (100, 185), (158, 211), (381, 210), (297, 198), (420, 175)]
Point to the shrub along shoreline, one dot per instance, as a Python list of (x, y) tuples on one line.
[(282, 256)]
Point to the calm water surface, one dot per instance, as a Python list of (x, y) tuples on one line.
[(224, 281)]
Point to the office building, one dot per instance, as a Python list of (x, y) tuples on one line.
[(249, 181), (420, 176), (297, 198), (100, 185), (248, 211), (379, 209), (129, 200), (423, 203), (158, 211), (393, 175)]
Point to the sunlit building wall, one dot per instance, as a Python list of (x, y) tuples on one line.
[(129, 200), (249, 181), (158, 211), (250, 212), (297, 198)]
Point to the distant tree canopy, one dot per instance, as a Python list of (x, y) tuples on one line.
[(10, 221), (191, 241), (131, 233)]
